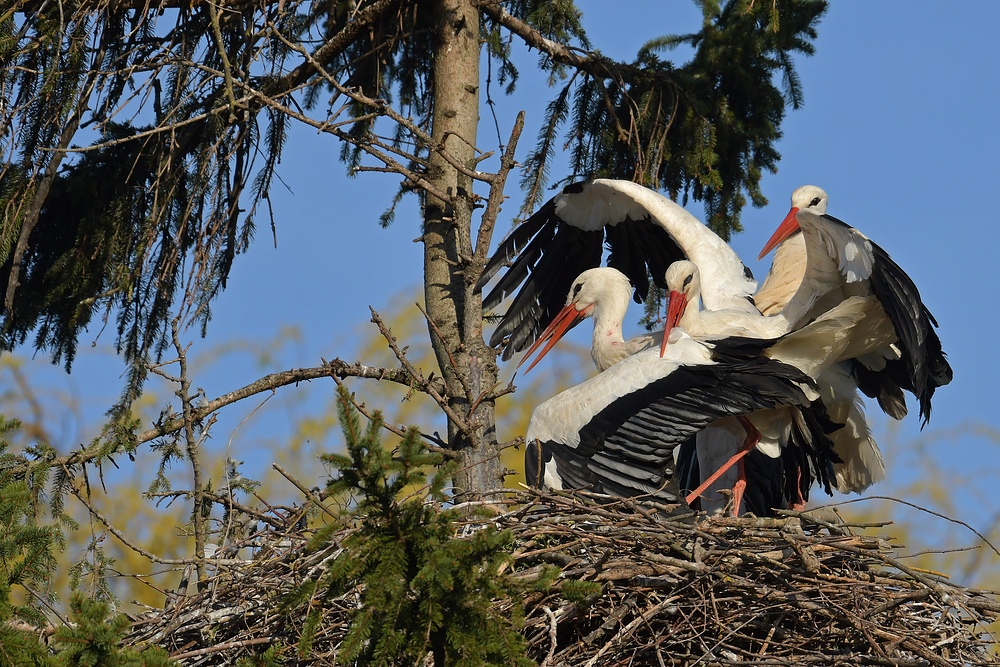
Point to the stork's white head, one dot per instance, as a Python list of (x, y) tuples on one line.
[(684, 287), (595, 293), (806, 198), (810, 198), (684, 278), (598, 287)]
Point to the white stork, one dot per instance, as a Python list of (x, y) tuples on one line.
[(831, 261), (603, 294), (616, 433)]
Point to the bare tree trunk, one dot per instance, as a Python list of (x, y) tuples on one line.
[(468, 365)]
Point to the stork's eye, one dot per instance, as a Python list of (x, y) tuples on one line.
[(814, 202), (576, 288), (687, 280)]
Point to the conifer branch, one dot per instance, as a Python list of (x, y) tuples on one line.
[(173, 422), (229, 503), (398, 431), (194, 432), (331, 369), (371, 145), (220, 46), (53, 162), (451, 358), (592, 63), (360, 22), (422, 590), (302, 489)]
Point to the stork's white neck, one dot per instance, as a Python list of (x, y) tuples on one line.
[(784, 277), (607, 348), (815, 273)]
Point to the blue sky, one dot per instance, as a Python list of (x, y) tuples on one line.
[(898, 126)]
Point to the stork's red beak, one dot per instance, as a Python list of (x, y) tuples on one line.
[(564, 320), (678, 303), (788, 226)]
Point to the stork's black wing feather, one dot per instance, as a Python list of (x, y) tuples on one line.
[(546, 253), (765, 490), (514, 244), (925, 364), (810, 456), (627, 255), (688, 473), (541, 297), (627, 448), (658, 247), (526, 250), (885, 385)]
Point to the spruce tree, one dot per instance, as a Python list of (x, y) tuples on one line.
[(28, 559), (423, 588), (183, 111), (28, 549)]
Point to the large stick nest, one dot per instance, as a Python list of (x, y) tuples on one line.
[(675, 590)]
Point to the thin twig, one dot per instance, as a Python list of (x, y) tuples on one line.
[(302, 488), (422, 384), (94, 512), (920, 509)]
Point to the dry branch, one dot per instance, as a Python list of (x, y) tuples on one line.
[(336, 369)]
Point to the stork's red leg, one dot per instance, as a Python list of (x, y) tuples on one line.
[(740, 486), (799, 504), (751, 440)]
